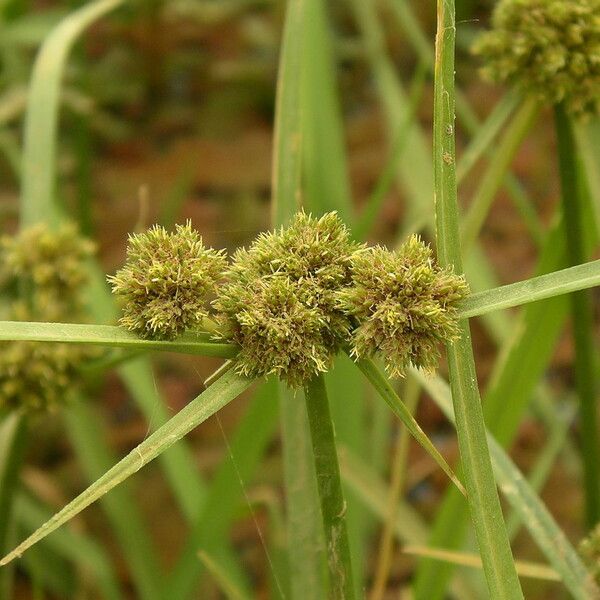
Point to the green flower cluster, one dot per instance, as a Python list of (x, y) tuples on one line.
[(166, 281), (280, 301), (404, 305), (549, 47), (589, 549), (295, 297), (41, 273), (44, 270)]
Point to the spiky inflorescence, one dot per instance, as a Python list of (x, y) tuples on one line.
[(280, 304), (549, 47), (42, 273), (167, 281), (38, 376), (404, 305), (45, 270), (589, 548)]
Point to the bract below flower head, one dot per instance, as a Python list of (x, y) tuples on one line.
[(282, 290), (404, 305), (549, 47), (167, 281)]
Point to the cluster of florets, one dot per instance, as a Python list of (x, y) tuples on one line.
[(295, 297), (45, 269), (549, 47), (42, 273), (404, 305), (280, 302), (167, 281), (589, 549)]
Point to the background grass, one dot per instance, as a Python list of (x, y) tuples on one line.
[(164, 111)]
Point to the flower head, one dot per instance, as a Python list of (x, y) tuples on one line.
[(167, 281), (280, 303), (589, 548), (43, 273), (404, 305), (549, 47), (38, 376), (46, 270)]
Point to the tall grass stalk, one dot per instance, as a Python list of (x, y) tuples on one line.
[(304, 528), (333, 505), (13, 442), (39, 155), (581, 314), (483, 499)]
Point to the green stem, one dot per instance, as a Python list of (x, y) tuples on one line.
[(333, 505), (582, 316), (483, 498), (13, 436)]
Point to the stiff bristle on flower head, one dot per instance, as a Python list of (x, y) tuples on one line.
[(167, 281), (280, 303), (550, 48), (404, 305)]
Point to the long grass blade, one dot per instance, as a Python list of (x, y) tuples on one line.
[(219, 574), (325, 169), (287, 145), (39, 154), (387, 392), (582, 316), (205, 405), (483, 499), (13, 442), (225, 493), (557, 283), (110, 336), (73, 546)]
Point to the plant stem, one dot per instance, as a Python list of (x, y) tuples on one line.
[(483, 498), (13, 436), (333, 505), (582, 316)]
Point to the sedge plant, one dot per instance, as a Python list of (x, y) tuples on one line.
[(369, 302), (422, 294)]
